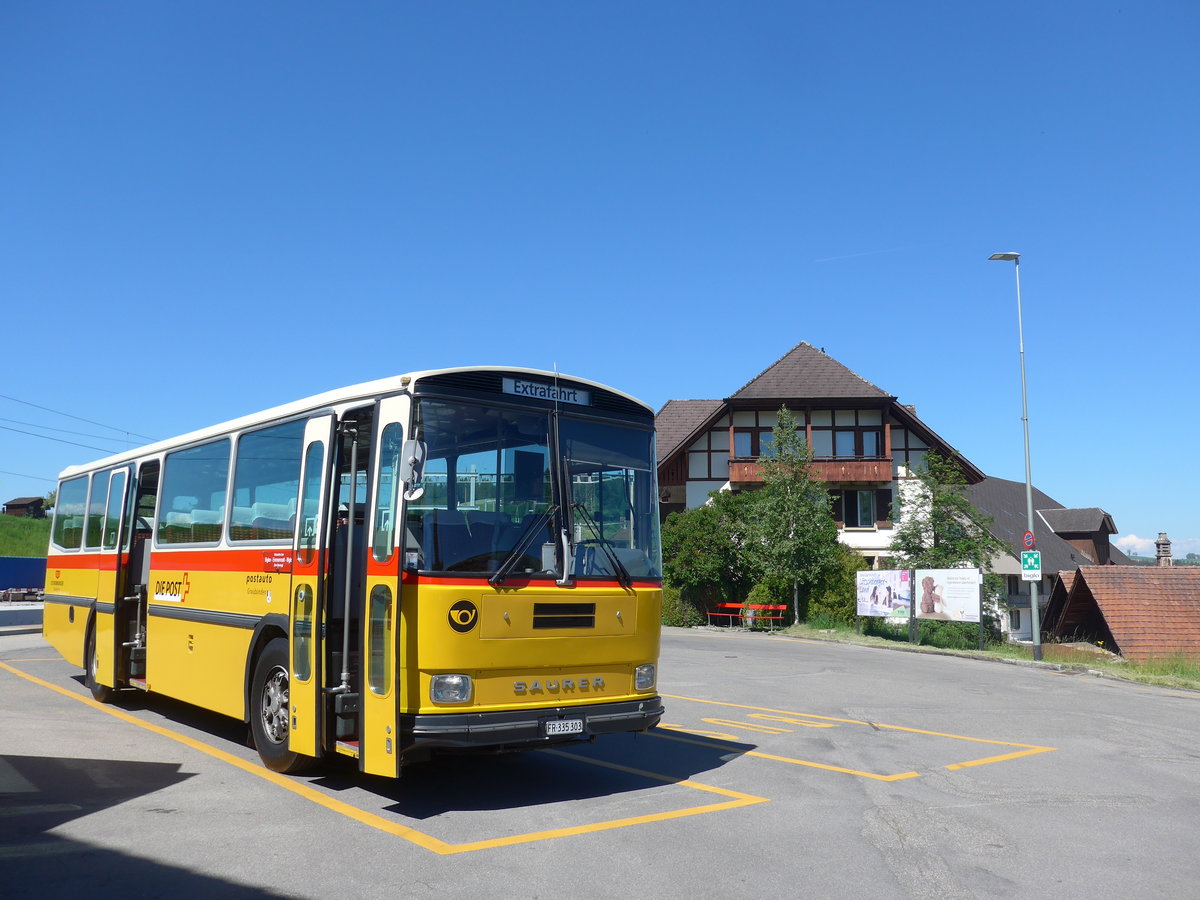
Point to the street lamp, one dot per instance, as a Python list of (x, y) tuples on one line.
[(1035, 616)]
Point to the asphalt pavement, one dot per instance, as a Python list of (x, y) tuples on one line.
[(783, 767)]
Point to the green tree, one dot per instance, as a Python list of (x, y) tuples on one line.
[(793, 537), (940, 528), (703, 551)]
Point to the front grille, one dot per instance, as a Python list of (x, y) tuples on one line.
[(564, 615)]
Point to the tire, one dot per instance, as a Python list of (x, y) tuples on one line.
[(91, 666), (270, 716)]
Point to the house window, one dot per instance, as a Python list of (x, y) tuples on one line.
[(860, 509), (1014, 619), (847, 433), (753, 432)]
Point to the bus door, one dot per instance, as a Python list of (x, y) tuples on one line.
[(309, 590), (382, 660), (104, 669)]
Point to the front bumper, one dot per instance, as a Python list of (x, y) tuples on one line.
[(524, 729)]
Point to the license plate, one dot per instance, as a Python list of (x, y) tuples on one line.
[(564, 726)]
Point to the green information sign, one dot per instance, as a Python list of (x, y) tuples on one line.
[(1031, 565)]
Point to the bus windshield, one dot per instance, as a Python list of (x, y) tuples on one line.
[(504, 493)]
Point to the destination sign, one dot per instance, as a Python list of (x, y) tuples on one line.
[(539, 390)]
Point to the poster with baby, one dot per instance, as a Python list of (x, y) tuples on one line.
[(951, 595)]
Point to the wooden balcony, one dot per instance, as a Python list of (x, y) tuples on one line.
[(831, 471)]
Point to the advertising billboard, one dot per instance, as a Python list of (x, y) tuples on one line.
[(951, 595), (884, 593)]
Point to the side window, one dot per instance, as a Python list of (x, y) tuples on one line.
[(314, 460), (95, 511), (112, 512), (69, 506), (379, 640), (192, 505), (387, 493), (266, 481)]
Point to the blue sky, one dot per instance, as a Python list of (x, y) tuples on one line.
[(210, 208)]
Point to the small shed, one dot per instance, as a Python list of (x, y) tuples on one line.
[(1140, 612), (26, 507)]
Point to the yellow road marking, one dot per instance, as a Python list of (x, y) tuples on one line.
[(1025, 749), (787, 759), (792, 720), (719, 735), (44, 659), (761, 729), (428, 842)]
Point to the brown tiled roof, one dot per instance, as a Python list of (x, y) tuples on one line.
[(1149, 612), (805, 371), (678, 420)]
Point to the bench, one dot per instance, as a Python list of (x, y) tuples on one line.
[(771, 612)]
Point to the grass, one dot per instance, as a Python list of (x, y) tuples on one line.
[(24, 537), (1178, 671)]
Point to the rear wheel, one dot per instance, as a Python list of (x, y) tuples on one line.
[(91, 668), (270, 714)]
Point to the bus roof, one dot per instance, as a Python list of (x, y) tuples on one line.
[(380, 387)]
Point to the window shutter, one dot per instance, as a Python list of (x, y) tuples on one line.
[(839, 515), (883, 507)]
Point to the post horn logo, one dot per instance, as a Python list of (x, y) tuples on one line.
[(463, 616)]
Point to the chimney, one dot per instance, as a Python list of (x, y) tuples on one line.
[(1162, 548)]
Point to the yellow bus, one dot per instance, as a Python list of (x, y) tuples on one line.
[(454, 559)]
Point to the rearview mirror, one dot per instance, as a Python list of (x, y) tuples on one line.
[(412, 466)]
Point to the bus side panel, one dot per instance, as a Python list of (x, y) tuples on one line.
[(70, 592), (63, 625), (199, 629), (198, 663)]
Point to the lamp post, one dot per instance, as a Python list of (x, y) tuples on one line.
[(1035, 616)]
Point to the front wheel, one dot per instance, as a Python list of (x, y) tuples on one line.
[(270, 715), (91, 668)]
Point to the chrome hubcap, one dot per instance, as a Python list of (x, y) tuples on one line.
[(275, 705)]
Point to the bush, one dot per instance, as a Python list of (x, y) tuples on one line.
[(836, 598), (888, 629), (948, 635), (680, 612), (773, 592)]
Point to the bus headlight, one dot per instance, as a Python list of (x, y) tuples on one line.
[(450, 688), (643, 677)]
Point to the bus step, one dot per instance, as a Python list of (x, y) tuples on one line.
[(345, 710), (139, 683), (347, 748)]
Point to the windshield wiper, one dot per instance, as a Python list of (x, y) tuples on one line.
[(622, 573), (531, 529)]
